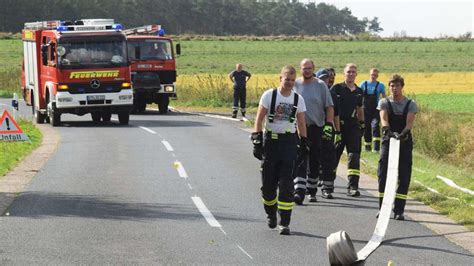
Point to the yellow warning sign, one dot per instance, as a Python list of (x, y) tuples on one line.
[(10, 130)]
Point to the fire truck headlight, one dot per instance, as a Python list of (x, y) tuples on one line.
[(63, 87), (126, 85), (169, 88)]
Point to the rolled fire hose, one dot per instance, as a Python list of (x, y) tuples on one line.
[(340, 248)]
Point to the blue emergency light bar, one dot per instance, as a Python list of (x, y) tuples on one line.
[(66, 27)]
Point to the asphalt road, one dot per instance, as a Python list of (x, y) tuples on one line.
[(183, 189)]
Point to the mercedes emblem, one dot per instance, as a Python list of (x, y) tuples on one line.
[(95, 84)]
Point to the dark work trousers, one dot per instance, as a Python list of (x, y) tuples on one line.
[(240, 95), (350, 139), (277, 173), (308, 174), (372, 127), (328, 164), (404, 173)]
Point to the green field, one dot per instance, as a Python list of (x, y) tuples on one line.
[(267, 57), (460, 103)]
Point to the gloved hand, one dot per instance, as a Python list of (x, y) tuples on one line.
[(328, 132), (387, 133), (304, 146), (404, 135), (337, 139), (257, 141), (361, 127)]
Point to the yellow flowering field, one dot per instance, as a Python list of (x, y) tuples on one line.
[(211, 86)]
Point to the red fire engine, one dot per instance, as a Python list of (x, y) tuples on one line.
[(76, 67), (153, 67)]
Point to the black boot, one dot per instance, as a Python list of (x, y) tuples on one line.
[(271, 215)]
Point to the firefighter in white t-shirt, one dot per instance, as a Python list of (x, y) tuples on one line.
[(278, 146)]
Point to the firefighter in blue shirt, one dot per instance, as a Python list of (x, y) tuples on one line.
[(372, 89)]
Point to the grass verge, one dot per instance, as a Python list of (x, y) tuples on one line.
[(425, 171), (12, 153)]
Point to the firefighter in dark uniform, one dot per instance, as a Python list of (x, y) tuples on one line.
[(239, 77), (372, 89), (329, 140), (397, 115), (351, 115), (278, 147)]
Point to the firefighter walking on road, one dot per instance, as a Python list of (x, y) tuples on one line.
[(397, 114), (239, 77), (351, 115), (327, 144), (319, 127), (372, 89), (278, 147)]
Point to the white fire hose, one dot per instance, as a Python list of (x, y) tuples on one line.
[(340, 248)]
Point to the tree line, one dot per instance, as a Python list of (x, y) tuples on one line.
[(215, 17)]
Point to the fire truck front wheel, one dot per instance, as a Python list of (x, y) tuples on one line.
[(53, 114), (124, 117), (163, 103)]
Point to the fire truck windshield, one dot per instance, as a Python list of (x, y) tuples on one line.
[(149, 49), (92, 52)]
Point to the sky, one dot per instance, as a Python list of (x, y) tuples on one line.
[(424, 18)]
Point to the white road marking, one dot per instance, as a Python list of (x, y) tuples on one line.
[(219, 117), (208, 115), (205, 212), (147, 129), (223, 231), (190, 187), (182, 173), (245, 252), (451, 183), (167, 145)]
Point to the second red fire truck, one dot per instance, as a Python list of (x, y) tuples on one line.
[(153, 67)]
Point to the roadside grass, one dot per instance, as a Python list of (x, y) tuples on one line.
[(425, 171), (11, 153)]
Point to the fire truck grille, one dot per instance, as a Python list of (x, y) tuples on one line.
[(105, 87), (149, 79)]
